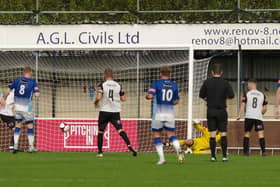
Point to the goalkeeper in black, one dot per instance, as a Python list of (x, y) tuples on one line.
[(215, 91)]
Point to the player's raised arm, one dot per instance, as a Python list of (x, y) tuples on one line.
[(199, 127)]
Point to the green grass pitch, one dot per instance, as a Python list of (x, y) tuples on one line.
[(59, 169)]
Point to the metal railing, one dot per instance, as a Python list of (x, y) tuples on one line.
[(138, 12)]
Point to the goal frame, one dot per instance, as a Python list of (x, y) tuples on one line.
[(187, 47)]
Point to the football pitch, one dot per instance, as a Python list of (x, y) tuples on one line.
[(59, 169)]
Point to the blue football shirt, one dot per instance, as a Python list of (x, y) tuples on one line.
[(23, 90), (165, 92)]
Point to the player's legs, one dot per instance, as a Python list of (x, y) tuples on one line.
[(212, 143), (248, 125), (124, 136), (222, 128), (170, 131), (30, 136), (17, 129), (159, 146), (17, 134), (224, 145), (262, 141), (29, 121), (115, 119), (212, 128), (246, 143), (174, 140), (11, 126), (103, 120), (12, 141), (259, 127), (157, 128), (10, 121)]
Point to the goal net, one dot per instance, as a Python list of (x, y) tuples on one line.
[(68, 81)]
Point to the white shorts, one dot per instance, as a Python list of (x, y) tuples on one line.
[(158, 126), (26, 117)]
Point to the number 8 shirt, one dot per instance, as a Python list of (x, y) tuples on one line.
[(23, 90), (254, 100)]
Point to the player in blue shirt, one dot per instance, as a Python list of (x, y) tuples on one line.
[(165, 93), (24, 88)]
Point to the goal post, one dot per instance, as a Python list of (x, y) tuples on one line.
[(67, 79), (190, 95)]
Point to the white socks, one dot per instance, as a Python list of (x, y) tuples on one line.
[(16, 137), (159, 148), (176, 146), (175, 143), (30, 136), (31, 140)]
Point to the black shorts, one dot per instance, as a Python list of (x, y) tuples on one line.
[(250, 123), (10, 121), (217, 120), (106, 117)]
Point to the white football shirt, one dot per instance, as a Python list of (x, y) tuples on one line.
[(255, 100), (111, 99), (8, 109)]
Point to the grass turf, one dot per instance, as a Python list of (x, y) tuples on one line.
[(78, 169)]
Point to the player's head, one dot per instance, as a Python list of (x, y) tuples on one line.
[(252, 84), (27, 71), (108, 73), (216, 70), (165, 72)]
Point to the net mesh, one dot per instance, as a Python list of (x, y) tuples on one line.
[(67, 81)]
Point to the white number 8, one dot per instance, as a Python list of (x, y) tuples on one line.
[(22, 89)]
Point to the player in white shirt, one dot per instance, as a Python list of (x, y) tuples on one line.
[(255, 105), (7, 115), (109, 97)]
